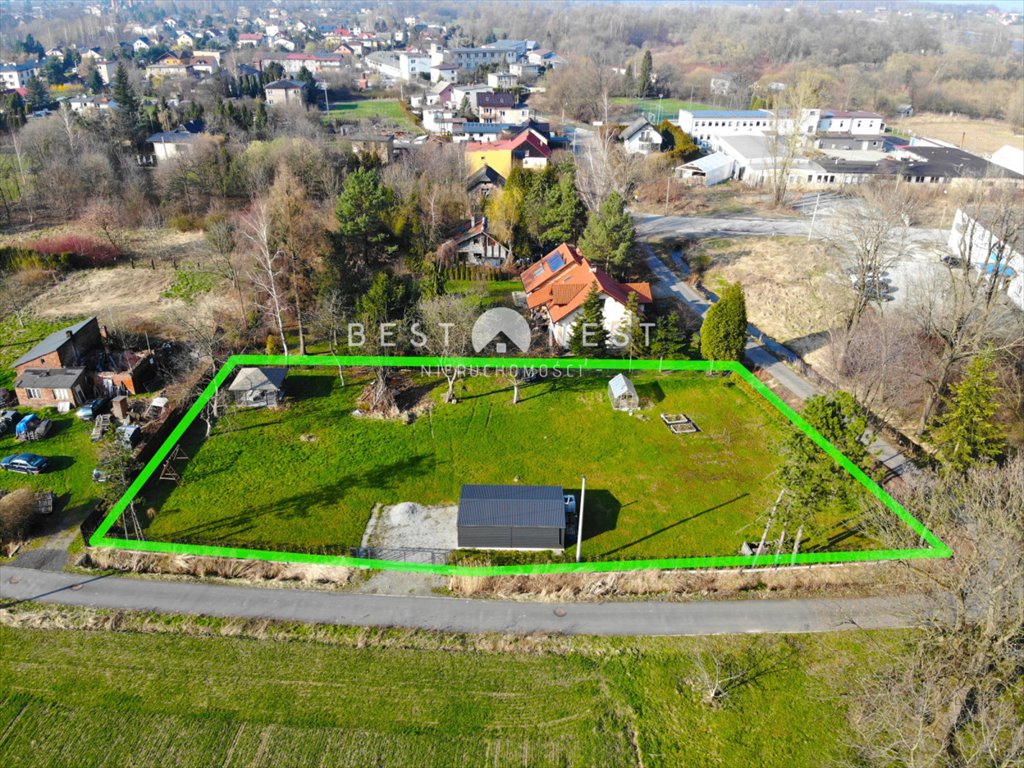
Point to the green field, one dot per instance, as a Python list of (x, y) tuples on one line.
[(72, 459), (110, 699), (371, 109), (668, 108), (309, 475)]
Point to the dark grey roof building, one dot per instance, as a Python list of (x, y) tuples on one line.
[(512, 517)]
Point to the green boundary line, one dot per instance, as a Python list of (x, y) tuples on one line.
[(935, 549)]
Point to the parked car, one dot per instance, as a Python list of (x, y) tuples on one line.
[(7, 421), (26, 463), (93, 408), (952, 261)]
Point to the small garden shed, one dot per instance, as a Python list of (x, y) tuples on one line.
[(622, 393), (512, 517), (258, 387)]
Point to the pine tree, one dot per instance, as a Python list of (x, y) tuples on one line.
[(966, 435), (364, 238), (589, 337), (629, 81), (609, 236), (723, 334), (37, 95), (94, 82), (646, 73), (127, 102), (636, 340), (562, 213), (665, 341)]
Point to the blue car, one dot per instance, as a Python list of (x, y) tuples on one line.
[(26, 463)]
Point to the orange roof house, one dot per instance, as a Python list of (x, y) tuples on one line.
[(528, 149), (557, 285)]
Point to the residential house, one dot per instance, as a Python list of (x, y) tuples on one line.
[(476, 246), (171, 144), (557, 285), (292, 63), (502, 80), (484, 181), (206, 65), (170, 65), (282, 92), (441, 121), (471, 59), (523, 70), (107, 70), (441, 94), (478, 132), (15, 76), (544, 58), (447, 73), (501, 107), (141, 44), (528, 150), (467, 94), (258, 387), (250, 39), (186, 40), (640, 137), (92, 54)]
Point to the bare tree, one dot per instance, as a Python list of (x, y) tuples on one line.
[(791, 117), (715, 674), (447, 324), (945, 696), (267, 275)]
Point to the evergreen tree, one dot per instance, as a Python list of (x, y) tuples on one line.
[(94, 82), (364, 238), (589, 337), (665, 341), (677, 143), (723, 334), (563, 213), (636, 339), (308, 85), (37, 95), (609, 235), (629, 81), (815, 481), (128, 107), (646, 76), (966, 435), (54, 70)]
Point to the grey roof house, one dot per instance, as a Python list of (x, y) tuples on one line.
[(258, 387)]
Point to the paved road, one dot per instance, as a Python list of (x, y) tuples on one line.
[(764, 353), (449, 614), (654, 227)]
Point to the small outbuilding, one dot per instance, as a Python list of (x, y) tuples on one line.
[(706, 171), (511, 517), (258, 387), (623, 394)]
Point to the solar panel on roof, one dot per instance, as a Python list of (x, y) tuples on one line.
[(555, 262)]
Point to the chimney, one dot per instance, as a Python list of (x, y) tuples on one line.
[(472, 221)]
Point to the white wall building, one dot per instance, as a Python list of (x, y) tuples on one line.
[(970, 239)]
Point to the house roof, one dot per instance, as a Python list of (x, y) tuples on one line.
[(856, 114), (263, 379), (179, 135), (496, 100), (283, 85), (533, 506), (52, 343), (525, 143), (637, 125), (485, 175), (709, 163), (702, 114), (49, 378), (562, 280)]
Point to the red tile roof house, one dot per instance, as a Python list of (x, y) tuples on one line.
[(557, 285)]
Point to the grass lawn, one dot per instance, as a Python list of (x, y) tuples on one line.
[(72, 459), (368, 109), (492, 293), (650, 493), (114, 698)]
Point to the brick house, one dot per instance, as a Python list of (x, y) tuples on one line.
[(71, 364)]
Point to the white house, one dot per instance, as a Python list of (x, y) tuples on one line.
[(281, 92), (558, 285), (1003, 261), (170, 144), (640, 137), (707, 171), (502, 80), (13, 76), (413, 64)]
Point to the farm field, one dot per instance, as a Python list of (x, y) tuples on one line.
[(981, 136), (319, 470), (114, 698), (369, 109)]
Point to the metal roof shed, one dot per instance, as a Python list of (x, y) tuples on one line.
[(257, 387), (623, 394), (511, 517)]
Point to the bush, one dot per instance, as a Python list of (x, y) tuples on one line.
[(185, 222), (17, 509), (78, 250)]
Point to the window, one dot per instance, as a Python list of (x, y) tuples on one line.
[(35, 394), (63, 395)]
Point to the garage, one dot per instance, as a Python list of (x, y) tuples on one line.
[(511, 517)]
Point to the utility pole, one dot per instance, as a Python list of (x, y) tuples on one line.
[(813, 216), (579, 522), (668, 184)]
